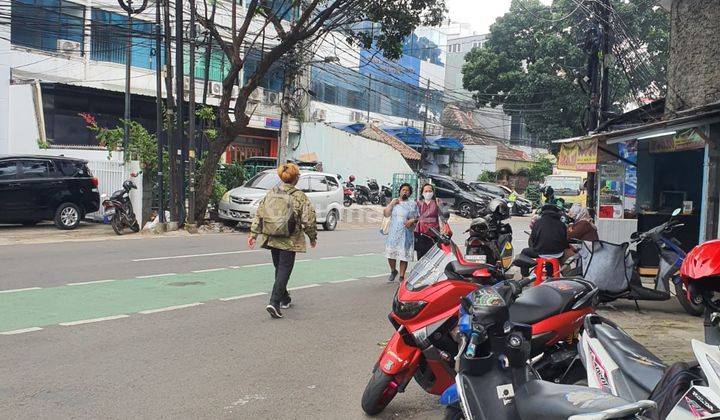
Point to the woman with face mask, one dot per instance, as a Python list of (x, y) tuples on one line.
[(429, 216), (400, 240)]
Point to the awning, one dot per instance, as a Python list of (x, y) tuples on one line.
[(447, 142)]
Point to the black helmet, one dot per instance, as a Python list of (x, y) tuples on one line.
[(129, 185), (479, 227), (499, 208)]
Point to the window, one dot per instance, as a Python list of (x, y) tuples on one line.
[(41, 23), (35, 169), (109, 39), (332, 183), (444, 185), (218, 67), (273, 79), (303, 184), (8, 170), (73, 169), (318, 184)]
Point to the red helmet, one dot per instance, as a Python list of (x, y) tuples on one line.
[(701, 265)]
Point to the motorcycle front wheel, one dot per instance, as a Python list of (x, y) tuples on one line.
[(135, 227), (347, 202), (693, 307), (117, 223), (380, 390)]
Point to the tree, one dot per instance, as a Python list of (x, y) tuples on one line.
[(533, 63), (264, 28)]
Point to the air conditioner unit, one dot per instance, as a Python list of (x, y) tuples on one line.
[(257, 95), (65, 46), (319, 115), (273, 98), (216, 88), (357, 116)]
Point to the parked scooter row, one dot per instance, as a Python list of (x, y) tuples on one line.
[(373, 193)]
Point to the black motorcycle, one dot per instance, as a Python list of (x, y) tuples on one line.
[(489, 238), (120, 210), (362, 194)]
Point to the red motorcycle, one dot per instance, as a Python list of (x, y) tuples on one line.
[(348, 197), (425, 315)]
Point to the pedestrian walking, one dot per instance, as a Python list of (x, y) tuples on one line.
[(284, 216), (429, 216), (400, 242)]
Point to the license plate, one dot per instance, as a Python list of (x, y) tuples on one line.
[(477, 258)]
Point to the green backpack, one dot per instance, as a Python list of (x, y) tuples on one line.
[(278, 217)]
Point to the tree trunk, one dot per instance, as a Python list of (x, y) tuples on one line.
[(148, 183), (207, 176)]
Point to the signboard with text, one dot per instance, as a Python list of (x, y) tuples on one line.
[(578, 156), (685, 140)]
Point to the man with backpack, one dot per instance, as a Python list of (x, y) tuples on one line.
[(283, 217)]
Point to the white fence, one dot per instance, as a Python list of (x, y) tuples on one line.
[(111, 175)]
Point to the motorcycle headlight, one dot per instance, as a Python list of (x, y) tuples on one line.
[(226, 197), (407, 309)]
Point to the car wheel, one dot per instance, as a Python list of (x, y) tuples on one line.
[(67, 216), (331, 220), (230, 223), (465, 210)]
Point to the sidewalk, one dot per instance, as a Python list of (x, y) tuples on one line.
[(47, 233)]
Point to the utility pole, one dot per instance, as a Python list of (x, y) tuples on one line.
[(424, 132), (284, 117), (605, 64), (128, 7), (191, 120), (369, 96), (159, 131), (170, 118), (179, 116)]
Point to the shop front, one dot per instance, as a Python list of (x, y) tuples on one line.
[(644, 173)]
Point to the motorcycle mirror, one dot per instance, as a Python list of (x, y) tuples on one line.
[(676, 212)]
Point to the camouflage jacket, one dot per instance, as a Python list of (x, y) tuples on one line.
[(306, 223)]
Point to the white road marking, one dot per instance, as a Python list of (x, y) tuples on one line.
[(90, 282), (297, 261), (234, 267), (170, 308), (343, 281), (364, 255), (208, 270), (90, 321), (332, 258), (377, 275), (242, 296), (155, 275), (174, 257), (255, 265), (20, 290), (307, 286), (24, 330)]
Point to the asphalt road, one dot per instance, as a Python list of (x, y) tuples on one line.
[(175, 327)]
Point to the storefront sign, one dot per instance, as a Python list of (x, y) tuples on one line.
[(578, 156), (685, 140), (272, 123)]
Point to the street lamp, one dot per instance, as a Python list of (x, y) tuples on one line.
[(128, 7)]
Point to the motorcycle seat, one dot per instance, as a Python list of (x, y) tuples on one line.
[(524, 261), (542, 400), (467, 269), (640, 369), (547, 299)]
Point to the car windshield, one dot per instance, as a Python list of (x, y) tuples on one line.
[(430, 269), (463, 186), (263, 181), (494, 189), (565, 185)]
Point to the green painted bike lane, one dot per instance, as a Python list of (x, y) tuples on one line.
[(50, 306)]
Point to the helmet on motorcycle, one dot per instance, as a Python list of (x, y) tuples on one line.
[(129, 185), (499, 208), (479, 227), (351, 178)]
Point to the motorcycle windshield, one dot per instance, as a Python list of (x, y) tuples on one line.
[(430, 269)]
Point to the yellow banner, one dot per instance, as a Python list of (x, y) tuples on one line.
[(578, 156), (686, 140)]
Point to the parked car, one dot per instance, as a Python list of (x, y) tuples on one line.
[(522, 206), (239, 205), (461, 196), (37, 188)]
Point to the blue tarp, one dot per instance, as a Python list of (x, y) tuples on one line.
[(447, 142), (350, 128)]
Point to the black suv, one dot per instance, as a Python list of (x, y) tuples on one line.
[(467, 202), (35, 188)]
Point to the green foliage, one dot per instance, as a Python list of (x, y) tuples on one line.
[(541, 168), (142, 146), (487, 176), (533, 63), (43, 144), (231, 176)]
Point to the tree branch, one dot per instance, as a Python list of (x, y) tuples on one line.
[(270, 16)]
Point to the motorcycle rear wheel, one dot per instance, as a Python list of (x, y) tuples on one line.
[(347, 202), (117, 224), (379, 391)]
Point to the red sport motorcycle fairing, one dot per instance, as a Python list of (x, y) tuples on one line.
[(425, 315)]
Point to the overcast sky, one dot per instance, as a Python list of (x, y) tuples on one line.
[(480, 14)]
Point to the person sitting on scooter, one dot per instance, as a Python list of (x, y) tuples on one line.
[(582, 228), (549, 234)]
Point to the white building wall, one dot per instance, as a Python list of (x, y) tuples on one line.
[(478, 159), (4, 89), (349, 154)]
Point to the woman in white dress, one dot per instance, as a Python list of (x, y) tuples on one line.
[(400, 243)]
